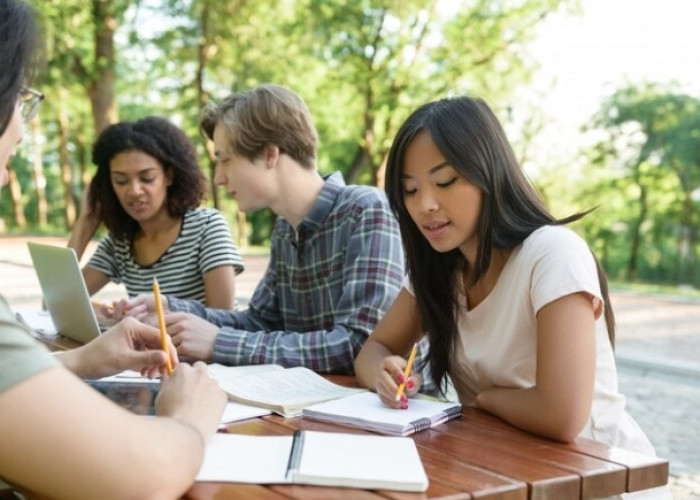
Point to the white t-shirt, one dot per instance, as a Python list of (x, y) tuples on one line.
[(497, 342)]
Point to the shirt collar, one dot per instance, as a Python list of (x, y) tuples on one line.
[(332, 187)]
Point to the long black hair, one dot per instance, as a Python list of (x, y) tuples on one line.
[(18, 38), (473, 142)]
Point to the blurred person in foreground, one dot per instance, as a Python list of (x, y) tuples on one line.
[(47, 411)]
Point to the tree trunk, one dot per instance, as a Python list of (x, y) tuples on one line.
[(16, 197), (202, 60), (635, 237), (101, 91), (66, 170), (38, 174), (381, 172), (356, 165), (686, 250)]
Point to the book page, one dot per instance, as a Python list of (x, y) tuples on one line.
[(235, 412), (287, 390), (218, 371), (37, 320), (361, 461), (240, 458)]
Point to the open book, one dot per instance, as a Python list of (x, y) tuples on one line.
[(317, 458), (283, 390), (366, 411)]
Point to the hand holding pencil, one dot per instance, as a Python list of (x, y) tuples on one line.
[(395, 382), (406, 373)]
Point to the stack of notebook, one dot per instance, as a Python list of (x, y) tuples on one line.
[(366, 411)]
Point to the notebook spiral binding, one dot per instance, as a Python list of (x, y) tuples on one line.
[(421, 424), (455, 411)]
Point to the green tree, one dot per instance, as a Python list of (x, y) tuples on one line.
[(361, 66), (654, 132)]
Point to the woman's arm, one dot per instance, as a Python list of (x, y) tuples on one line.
[(220, 288), (381, 361), (84, 228), (62, 439), (94, 280), (559, 404)]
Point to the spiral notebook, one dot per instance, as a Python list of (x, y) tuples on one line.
[(316, 458), (366, 411)]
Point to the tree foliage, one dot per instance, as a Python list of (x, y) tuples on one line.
[(652, 156), (360, 65)]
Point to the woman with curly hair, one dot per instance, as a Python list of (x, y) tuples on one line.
[(147, 192)]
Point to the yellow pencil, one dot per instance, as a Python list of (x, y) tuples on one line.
[(407, 371), (98, 304), (161, 323)]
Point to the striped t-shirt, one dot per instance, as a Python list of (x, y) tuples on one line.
[(204, 243)]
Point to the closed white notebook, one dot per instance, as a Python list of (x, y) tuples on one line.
[(366, 411), (315, 458)]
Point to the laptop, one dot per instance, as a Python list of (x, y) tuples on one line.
[(65, 293)]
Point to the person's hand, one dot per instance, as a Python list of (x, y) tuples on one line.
[(389, 379), (190, 395), (109, 314), (104, 313), (141, 307), (129, 345), (192, 336)]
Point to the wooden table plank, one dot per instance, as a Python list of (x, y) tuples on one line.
[(544, 481), (57, 342), (227, 491), (642, 471), (599, 478)]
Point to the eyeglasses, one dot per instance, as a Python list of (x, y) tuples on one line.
[(29, 102)]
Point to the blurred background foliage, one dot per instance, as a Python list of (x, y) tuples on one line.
[(361, 66)]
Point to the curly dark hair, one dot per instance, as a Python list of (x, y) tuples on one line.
[(165, 142)]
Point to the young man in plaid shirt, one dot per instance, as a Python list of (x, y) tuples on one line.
[(336, 260)]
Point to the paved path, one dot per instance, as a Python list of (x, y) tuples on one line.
[(658, 351)]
